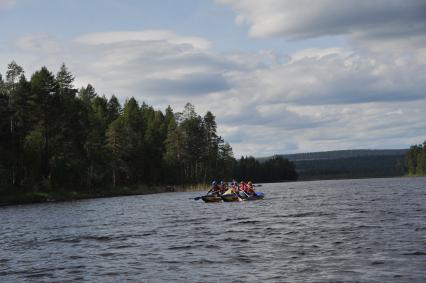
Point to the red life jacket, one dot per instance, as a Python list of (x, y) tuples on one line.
[(250, 189)]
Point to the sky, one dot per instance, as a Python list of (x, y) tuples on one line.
[(281, 76)]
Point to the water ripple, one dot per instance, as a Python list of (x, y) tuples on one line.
[(324, 231)]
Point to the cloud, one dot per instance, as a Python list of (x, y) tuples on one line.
[(152, 65), (41, 42), (265, 102), (143, 36), (369, 125), (187, 85), (336, 76), (364, 19)]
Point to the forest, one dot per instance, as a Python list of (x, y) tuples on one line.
[(274, 169), (55, 136), (355, 163), (416, 160), (351, 167)]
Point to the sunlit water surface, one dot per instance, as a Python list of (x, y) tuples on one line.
[(370, 230)]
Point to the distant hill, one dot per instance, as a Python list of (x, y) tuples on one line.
[(339, 164)]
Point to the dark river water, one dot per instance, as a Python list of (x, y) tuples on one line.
[(371, 230)]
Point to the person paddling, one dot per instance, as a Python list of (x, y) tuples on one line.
[(235, 187), (223, 187), (215, 190), (232, 189), (250, 189), (242, 189)]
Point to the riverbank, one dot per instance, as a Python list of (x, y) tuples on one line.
[(16, 198)]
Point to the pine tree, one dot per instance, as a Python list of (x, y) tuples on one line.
[(44, 87), (14, 71), (87, 94), (115, 144), (114, 109), (64, 79)]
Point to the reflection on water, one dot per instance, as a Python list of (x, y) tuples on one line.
[(350, 230)]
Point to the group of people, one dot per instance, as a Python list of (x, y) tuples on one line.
[(223, 188)]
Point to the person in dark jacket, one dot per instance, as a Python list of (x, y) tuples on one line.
[(215, 190)]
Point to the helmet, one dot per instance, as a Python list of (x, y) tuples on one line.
[(213, 183), (221, 182)]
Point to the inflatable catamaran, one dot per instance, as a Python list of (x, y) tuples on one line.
[(231, 192)]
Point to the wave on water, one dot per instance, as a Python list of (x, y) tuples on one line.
[(345, 231)]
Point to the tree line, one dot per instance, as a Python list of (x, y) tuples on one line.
[(274, 169), (368, 166), (53, 135), (416, 160)]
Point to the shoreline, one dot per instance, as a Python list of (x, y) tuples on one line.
[(70, 195), (64, 195)]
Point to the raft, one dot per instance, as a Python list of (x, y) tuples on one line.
[(230, 197), (211, 198)]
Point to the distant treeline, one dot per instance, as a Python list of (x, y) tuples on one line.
[(353, 167), (339, 154), (55, 136), (342, 164), (416, 160), (275, 169)]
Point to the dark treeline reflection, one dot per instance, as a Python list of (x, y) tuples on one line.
[(416, 160), (55, 136)]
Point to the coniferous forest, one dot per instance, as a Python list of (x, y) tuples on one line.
[(416, 160), (54, 136)]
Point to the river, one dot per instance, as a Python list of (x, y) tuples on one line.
[(371, 230)]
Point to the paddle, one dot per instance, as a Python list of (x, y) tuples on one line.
[(238, 194), (246, 194)]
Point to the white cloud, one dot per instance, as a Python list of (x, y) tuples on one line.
[(363, 19), (265, 103), (146, 36), (41, 42), (318, 53)]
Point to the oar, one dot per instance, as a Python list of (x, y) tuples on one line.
[(246, 194), (238, 194)]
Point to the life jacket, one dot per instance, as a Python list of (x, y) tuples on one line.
[(250, 189)]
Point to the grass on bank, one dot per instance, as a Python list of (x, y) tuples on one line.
[(11, 197)]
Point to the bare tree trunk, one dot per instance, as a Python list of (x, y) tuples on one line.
[(89, 176), (113, 177), (13, 175), (12, 133), (196, 171)]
